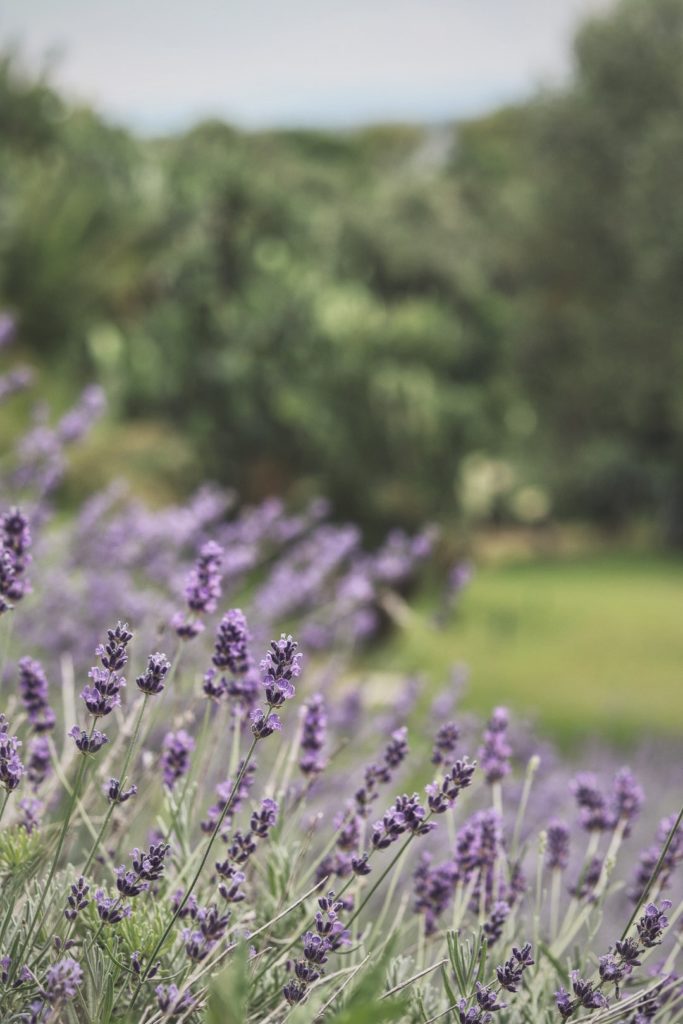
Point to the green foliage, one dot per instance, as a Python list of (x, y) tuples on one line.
[(365, 313), (21, 854), (229, 991)]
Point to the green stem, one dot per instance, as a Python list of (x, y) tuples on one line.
[(5, 800)]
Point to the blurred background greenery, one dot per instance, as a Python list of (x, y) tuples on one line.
[(478, 323)]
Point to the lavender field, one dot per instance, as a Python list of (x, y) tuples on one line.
[(202, 820), (341, 512)]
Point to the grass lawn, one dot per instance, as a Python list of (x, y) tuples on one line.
[(585, 645)]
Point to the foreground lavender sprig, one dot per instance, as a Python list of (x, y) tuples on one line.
[(616, 965), (281, 664)]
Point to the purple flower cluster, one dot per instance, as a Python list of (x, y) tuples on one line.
[(241, 846), (33, 688), (597, 813), (329, 936), (495, 751), (15, 558), (11, 766), (175, 757), (62, 981), (152, 680), (104, 692), (281, 664), (232, 673), (442, 795), (202, 591), (557, 856), (313, 736), (615, 965)]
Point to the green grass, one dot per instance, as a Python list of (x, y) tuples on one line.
[(584, 646)]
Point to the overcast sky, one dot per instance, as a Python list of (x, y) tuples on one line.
[(159, 64)]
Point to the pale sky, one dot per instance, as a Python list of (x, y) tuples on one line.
[(160, 64)]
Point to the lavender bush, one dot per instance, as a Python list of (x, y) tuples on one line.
[(197, 825)]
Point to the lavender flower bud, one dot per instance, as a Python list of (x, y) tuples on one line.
[(652, 924), (175, 758), (509, 974), (109, 908), (263, 820), (88, 744), (113, 654), (116, 795), (262, 725), (152, 682), (78, 899)]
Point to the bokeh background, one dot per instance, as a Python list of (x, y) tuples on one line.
[(424, 258)]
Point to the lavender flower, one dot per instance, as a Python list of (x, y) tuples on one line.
[(281, 664), (443, 795), (653, 922), (594, 813), (15, 541), (39, 760), (172, 1003), (493, 927), (110, 909), (88, 744), (116, 795), (510, 973), (33, 688), (628, 798), (175, 758), (557, 856), (495, 751), (231, 649), (11, 767), (329, 936), (152, 681), (113, 654), (31, 811), (264, 725), (406, 815), (77, 900), (202, 591), (433, 888), (103, 695), (263, 820), (62, 981), (445, 742), (314, 733)]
